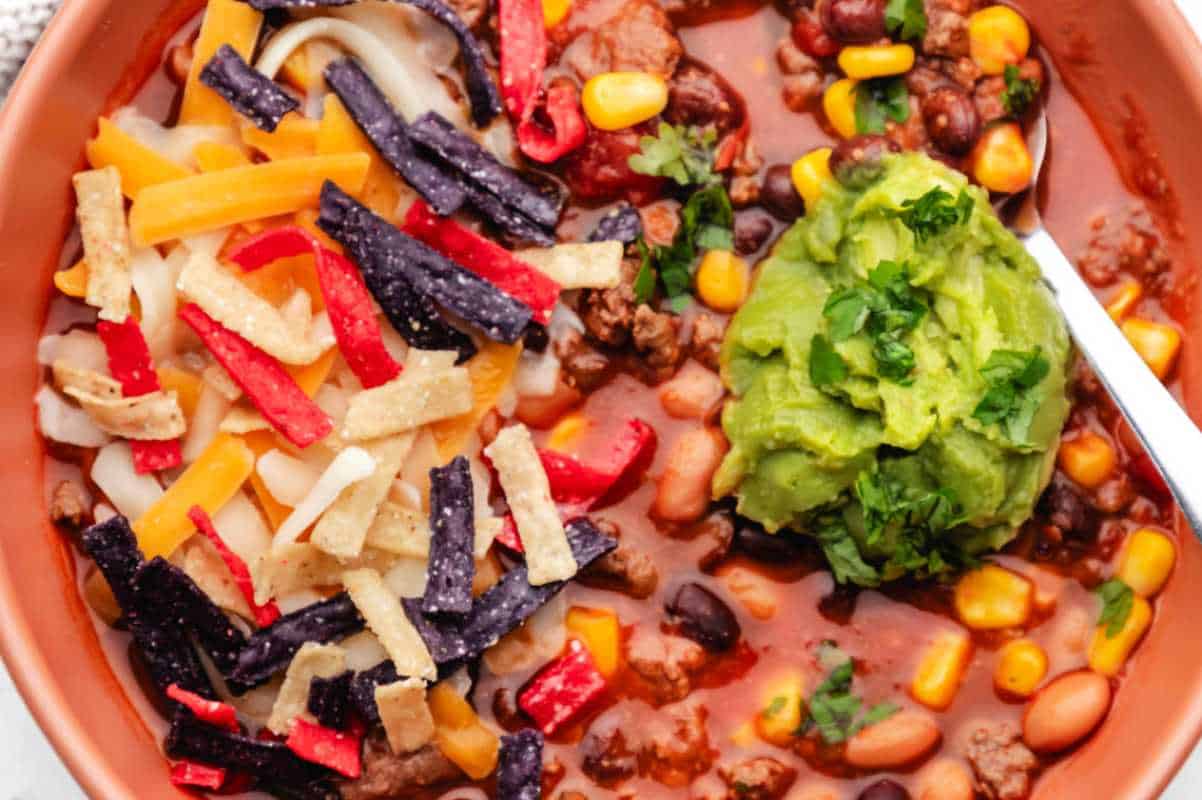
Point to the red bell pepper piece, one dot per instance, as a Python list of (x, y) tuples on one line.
[(130, 363), (581, 486), (509, 535), (201, 776), (348, 302), (563, 689), (485, 258), (265, 614), (217, 714), (268, 385), (568, 129), (338, 750)]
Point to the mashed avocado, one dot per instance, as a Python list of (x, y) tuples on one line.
[(898, 376)]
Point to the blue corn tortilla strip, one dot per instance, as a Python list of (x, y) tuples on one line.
[(520, 766), (444, 641), (114, 547), (170, 657), (412, 314), (250, 92), (452, 566), (387, 257), (330, 699), (512, 222), (269, 650), (363, 690), (381, 124), (439, 135), (623, 224)]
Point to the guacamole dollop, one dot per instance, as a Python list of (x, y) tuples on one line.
[(898, 377)]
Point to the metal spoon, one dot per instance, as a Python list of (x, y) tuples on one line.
[(1170, 437)]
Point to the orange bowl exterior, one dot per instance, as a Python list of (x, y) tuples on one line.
[(1121, 57)]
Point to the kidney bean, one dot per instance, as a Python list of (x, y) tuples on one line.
[(854, 21), (809, 35), (773, 548), (779, 196), (894, 742), (704, 618), (856, 162), (693, 393), (683, 494), (952, 120), (885, 790), (945, 779), (1065, 711), (752, 229)]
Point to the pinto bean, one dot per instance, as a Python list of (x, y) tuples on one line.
[(945, 779), (952, 120), (1066, 711), (894, 742), (752, 229), (773, 548), (854, 21), (704, 617), (778, 195), (884, 790), (694, 393), (684, 488)]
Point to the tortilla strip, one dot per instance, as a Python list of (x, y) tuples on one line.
[(313, 660), (342, 529), (388, 621), (405, 715), (578, 265), (298, 566), (148, 417), (86, 381), (240, 420), (204, 566), (408, 402), (406, 533), (100, 209)]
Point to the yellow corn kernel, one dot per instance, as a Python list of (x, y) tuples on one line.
[(939, 672), (992, 597), (231, 22), (839, 105), (448, 707), (1156, 343), (722, 280), (1021, 667), (138, 164), (754, 592), (616, 100), (1124, 300), (1147, 561), (568, 432), (780, 711), (810, 175), (554, 11), (73, 282), (1107, 654), (213, 156), (209, 482), (876, 60), (1088, 459), (598, 630), (1001, 161), (491, 371), (186, 385), (998, 36), (201, 203)]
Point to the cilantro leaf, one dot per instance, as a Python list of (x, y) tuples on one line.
[(913, 520), (833, 708), (846, 311), (684, 154), (907, 19), (1020, 92), (935, 212), (1010, 399), (878, 713), (886, 307), (894, 360), (706, 223), (1117, 601), (774, 707), (843, 555), (826, 366), (644, 281), (880, 100)]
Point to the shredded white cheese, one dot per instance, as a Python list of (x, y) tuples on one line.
[(350, 466)]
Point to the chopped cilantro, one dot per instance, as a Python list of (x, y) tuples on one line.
[(1117, 600), (834, 709), (776, 706), (894, 360), (913, 520), (1010, 399), (644, 281), (826, 366), (706, 223), (935, 212), (906, 19), (887, 307), (1019, 93), (843, 555), (880, 100), (684, 154)]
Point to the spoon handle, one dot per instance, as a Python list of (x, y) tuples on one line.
[(1167, 433)]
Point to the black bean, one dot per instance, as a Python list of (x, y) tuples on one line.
[(752, 229), (885, 790), (840, 604), (704, 618), (854, 21), (535, 338), (778, 195), (856, 162), (772, 548), (952, 120)]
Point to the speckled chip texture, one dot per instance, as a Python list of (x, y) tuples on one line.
[(313, 660), (405, 715), (408, 402), (250, 92), (100, 209), (548, 556), (578, 265), (301, 565), (343, 528), (520, 766), (401, 531), (452, 567), (386, 619), (152, 416)]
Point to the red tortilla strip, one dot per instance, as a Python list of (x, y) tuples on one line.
[(130, 363)]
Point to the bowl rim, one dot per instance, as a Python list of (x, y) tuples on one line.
[(32, 675)]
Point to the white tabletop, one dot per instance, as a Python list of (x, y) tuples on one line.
[(30, 770)]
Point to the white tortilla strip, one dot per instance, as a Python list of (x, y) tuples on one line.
[(100, 209), (418, 361), (408, 402), (204, 565), (240, 420), (582, 265), (313, 660), (349, 467), (341, 531), (230, 302), (386, 619), (405, 715), (301, 566), (406, 533), (85, 381), (548, 555), (149, 417)]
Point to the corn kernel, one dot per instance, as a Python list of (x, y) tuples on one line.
[(780, 710), (599, 631), (940, 670), (1147, 561), (568, 432), (722, 280), (1124, 300), (810, 175), (755, 592), (1107, 654), (839, 105), (998, 36), (1022, 665), (1156, 343), (616, 100), (1088, 459), (554, 11), (473, 749), (73, 282), (992, 597), (1001, 161), (876, 61)]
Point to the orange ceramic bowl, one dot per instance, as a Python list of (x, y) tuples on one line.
[(1133, 63)]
